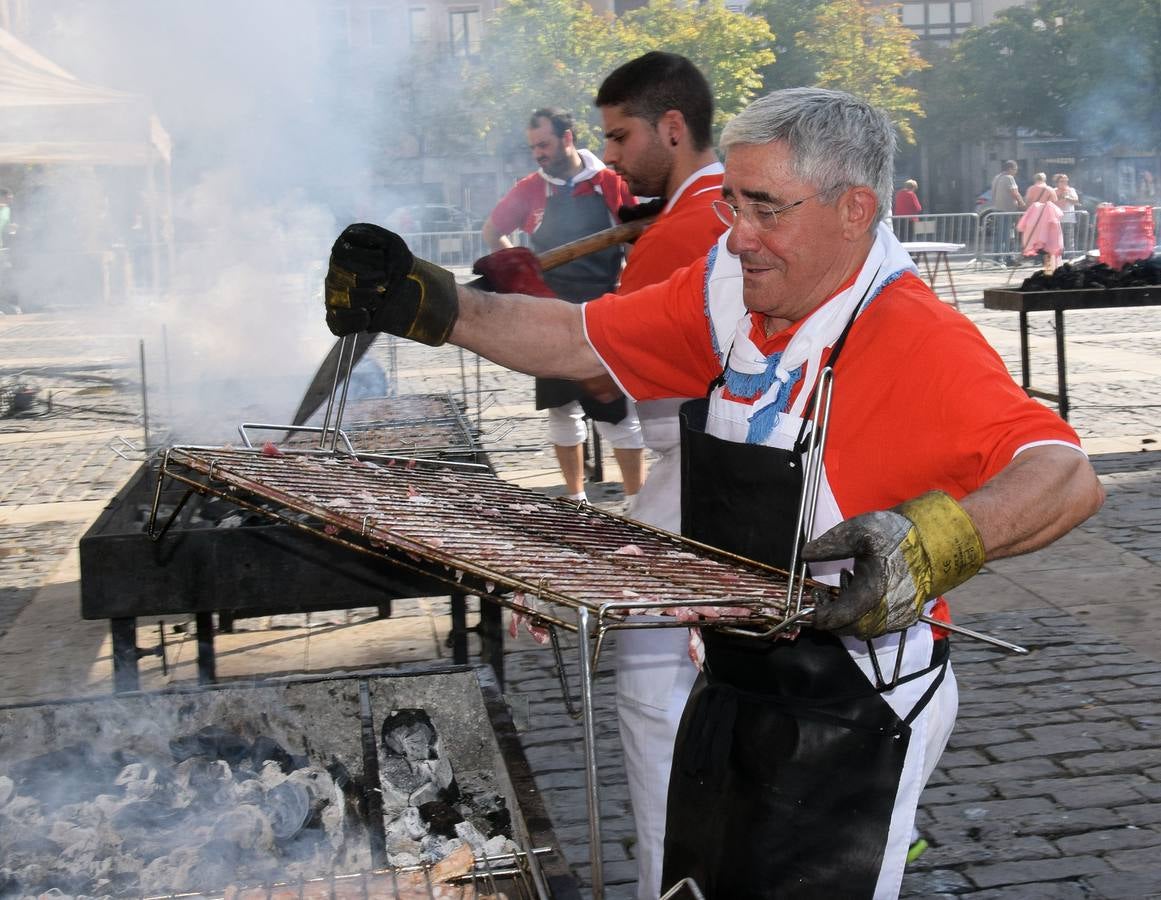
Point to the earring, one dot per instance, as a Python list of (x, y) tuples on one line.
[(673, 142)]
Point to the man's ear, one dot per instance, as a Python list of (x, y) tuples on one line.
[(567, 138), (671, 127), (858, 206)]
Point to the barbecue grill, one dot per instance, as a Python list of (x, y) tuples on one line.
[(332, 721), (555, 563), (267, 567)]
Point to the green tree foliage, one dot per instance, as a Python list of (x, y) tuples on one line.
[(865, 50), (729, 48), (1091, 68), (796, 66), (849, 45), (557, 52)]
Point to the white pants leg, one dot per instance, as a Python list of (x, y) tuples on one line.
[(654, 676)]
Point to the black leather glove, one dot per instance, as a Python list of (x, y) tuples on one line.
[(903, 558), (374, 283)]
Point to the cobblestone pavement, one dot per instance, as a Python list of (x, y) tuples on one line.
[(1051, 786)]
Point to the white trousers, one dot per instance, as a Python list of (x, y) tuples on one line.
[(566, 428), (654, 676)]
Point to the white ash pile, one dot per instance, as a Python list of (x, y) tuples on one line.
[(430, 812), (220, 810)]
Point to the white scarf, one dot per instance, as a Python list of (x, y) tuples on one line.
[(749, 370)]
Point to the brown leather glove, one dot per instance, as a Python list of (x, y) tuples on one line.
[(375, 283), (903, 558)]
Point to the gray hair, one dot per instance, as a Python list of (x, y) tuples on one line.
[(836, 140)]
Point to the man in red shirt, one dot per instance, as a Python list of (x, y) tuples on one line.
[(571, 195), (799, 760), (657, 112)]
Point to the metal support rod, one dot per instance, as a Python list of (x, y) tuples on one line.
[(343, 396), (590, 743), (344, 341), (144, 399), (979, 636)]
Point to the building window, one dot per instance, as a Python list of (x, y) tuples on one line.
[(379, 26), (464, 26), (418, 25), (335, 25), (937, 20)]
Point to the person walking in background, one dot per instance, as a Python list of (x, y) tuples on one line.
[(1039, 191), (906, 206), (1039, 227), (1006, 199), (1067, 198), (5, 214), (571, 195)]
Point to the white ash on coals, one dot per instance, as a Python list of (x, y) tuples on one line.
[(219, 810), (428, 811)]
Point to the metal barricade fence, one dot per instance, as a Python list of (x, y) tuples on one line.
[(447, 248), (997, 240), (944, 228)]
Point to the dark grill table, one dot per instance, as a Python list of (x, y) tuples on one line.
[(1057, 302), (249, 570)]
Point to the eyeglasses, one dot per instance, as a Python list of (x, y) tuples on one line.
[(761, 215)]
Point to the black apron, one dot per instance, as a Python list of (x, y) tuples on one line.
[(567, 218), (787, 760)]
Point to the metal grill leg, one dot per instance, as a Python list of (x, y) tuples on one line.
[(123, 631), (491, 632), (207, 666), (459, 629), (590, 742)]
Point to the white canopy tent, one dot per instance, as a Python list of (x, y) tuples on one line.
[(53, 119)]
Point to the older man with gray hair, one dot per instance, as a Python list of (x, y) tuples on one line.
[(799, 761)]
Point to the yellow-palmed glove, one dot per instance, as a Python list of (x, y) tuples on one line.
[(903, 557)]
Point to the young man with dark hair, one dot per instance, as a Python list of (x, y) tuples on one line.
[(572, 195), (657, 113)]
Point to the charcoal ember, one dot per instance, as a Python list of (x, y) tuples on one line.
[(247, 827), (68, 775), (149, 814), (409, 733), (289, 808), (1087, 274), (209, 782), (212, 742), (267, 749), (398, 772), (441, 818)]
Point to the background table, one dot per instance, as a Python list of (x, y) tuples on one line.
[(1057, 302), (932, 254)]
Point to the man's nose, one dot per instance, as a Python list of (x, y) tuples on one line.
[(743, 236)]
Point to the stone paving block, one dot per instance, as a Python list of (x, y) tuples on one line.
[(999, 847), (1124, 886), (934, 884), (1044, 890), (1146, 859), (968, 757), (978, 812), (954, 793), (1033, 871), (1025, 749), (992, 773), (1130, 837), (1062, 822), (970, 738), (1123, 761)]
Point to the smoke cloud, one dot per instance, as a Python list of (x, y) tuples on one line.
[(275, 141)]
